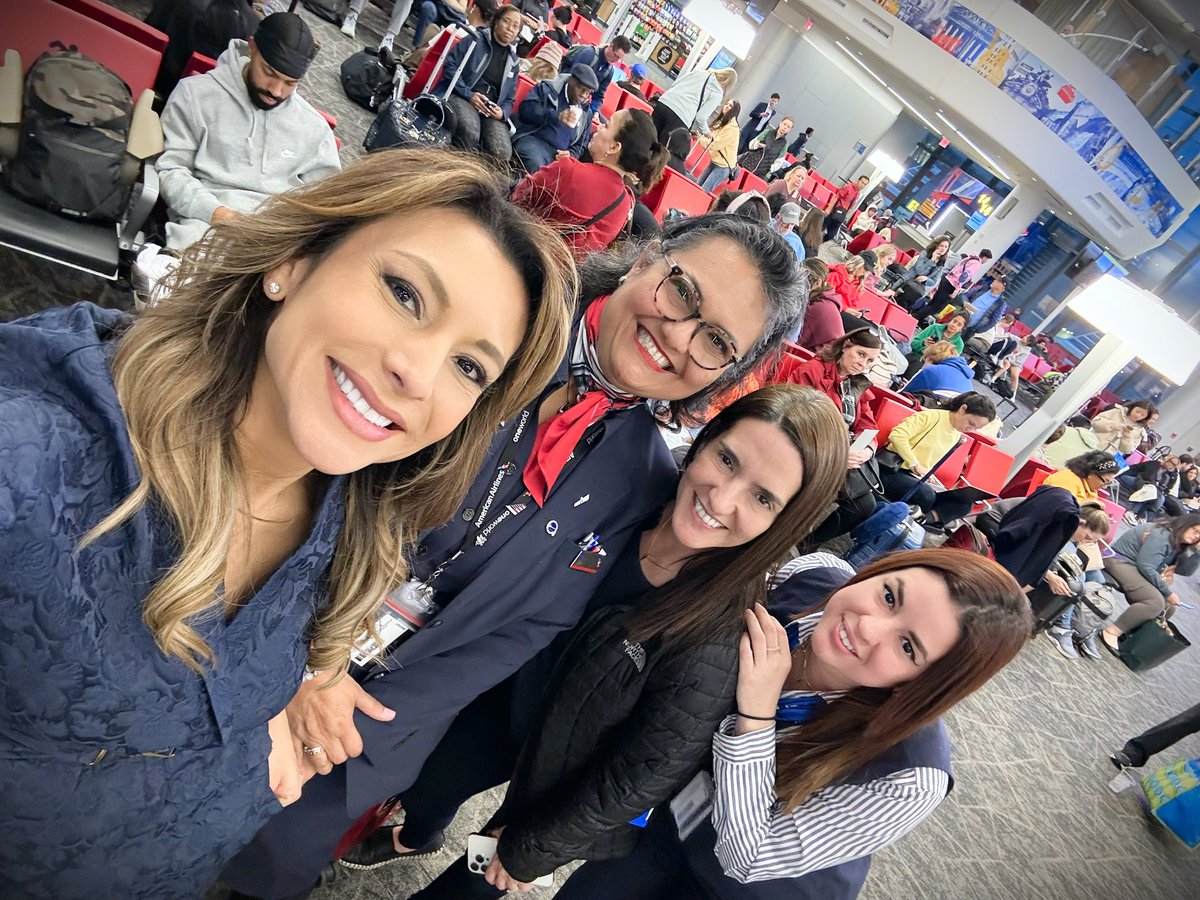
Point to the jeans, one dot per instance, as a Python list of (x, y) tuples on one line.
[(533, 153), (426, 16), (898, 482), (716, 175), (472, 131)]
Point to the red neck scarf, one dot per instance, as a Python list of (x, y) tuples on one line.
[(559, 435)]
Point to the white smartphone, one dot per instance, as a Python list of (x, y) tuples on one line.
[(863, 441), (481, 849)]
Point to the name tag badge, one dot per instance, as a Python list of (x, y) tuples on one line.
[(402, 613), (693, 804)]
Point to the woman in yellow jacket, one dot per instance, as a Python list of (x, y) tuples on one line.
[(920, 441), (1085, 475), (722, 145)]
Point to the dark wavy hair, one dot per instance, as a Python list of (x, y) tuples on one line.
[(1091, 463), (784, 283), (1177, 526)]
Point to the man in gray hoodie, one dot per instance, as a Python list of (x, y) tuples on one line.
[(241, 133)]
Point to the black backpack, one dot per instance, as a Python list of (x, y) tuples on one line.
[(367, 77), (72, 156), (330, 10)]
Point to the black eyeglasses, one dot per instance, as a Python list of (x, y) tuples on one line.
[(677, 299)]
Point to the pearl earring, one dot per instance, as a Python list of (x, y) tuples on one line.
[(273, 287)]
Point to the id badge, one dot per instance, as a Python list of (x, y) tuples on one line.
[(403, 612), (693, 804)]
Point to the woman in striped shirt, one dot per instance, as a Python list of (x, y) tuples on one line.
[(837, 748)]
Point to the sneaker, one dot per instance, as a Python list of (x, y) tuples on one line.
[(1129, 518), (348, 25), (1087, 645), (1121, 760), (386, 43), (151, 274), (1061, 638), (379, 850)]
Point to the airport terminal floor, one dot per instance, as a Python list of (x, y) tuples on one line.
[(1031, 815)]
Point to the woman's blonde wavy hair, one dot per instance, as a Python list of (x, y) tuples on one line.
[(184, 370)]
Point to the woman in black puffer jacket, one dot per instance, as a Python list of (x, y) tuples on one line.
[(638, 691)]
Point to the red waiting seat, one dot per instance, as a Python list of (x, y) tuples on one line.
[(888, 414), (628, 101), (751, 182), (1027, 480), (651, 90), (947, 473), (430, 68), (874, 305), (898, 322), (698, 160), (986, 468), (524, 86), (119, 21), (821, 196), (612, 97), (677, 191), (39, 23), (865, 240), (587, 32)]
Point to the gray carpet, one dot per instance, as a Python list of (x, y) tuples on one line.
[(1031, 816)]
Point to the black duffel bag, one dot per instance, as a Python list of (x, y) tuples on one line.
[(367, 77), (330, 10)]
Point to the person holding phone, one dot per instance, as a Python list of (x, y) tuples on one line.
[(836, 748), (486, 66), (565, 487), (640, 687), (195, 501), (839, 372)]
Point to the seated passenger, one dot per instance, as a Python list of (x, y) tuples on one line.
[(837, 747), (812, 231), (482, 100), (633, 84), (944, 379), (983, 337), (239, 134), (786, 222), (885, 255), (629, 715), (823, 319), (790, 183), (920, 441), (839, 372), (1144, 564), (545, 63), (846, 278), (562, 16), (601, 60), (552, 120), (592, 202), (479, 15), (435, 12), (1085, 475), (950, 331), (679, 145)]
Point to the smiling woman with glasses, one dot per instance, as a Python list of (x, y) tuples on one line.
[(579, 471)]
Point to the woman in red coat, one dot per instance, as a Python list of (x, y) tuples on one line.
[(591, 202), (846, 279), (839, 372)]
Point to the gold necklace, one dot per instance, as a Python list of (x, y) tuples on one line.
[(645, 557)]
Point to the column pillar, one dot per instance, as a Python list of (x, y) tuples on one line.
[(998, 234), (1179, 418), (1106, 359)]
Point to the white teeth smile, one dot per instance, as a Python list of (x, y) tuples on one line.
[(844, 637), (705, 517), (356, 399), (647, 344)]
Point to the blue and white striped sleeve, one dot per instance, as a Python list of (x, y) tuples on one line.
[(757, 840)]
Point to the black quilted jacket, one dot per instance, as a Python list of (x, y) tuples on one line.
[(623, 730)]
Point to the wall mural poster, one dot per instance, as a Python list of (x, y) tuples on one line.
[(1046, 95), (1132, 180)]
